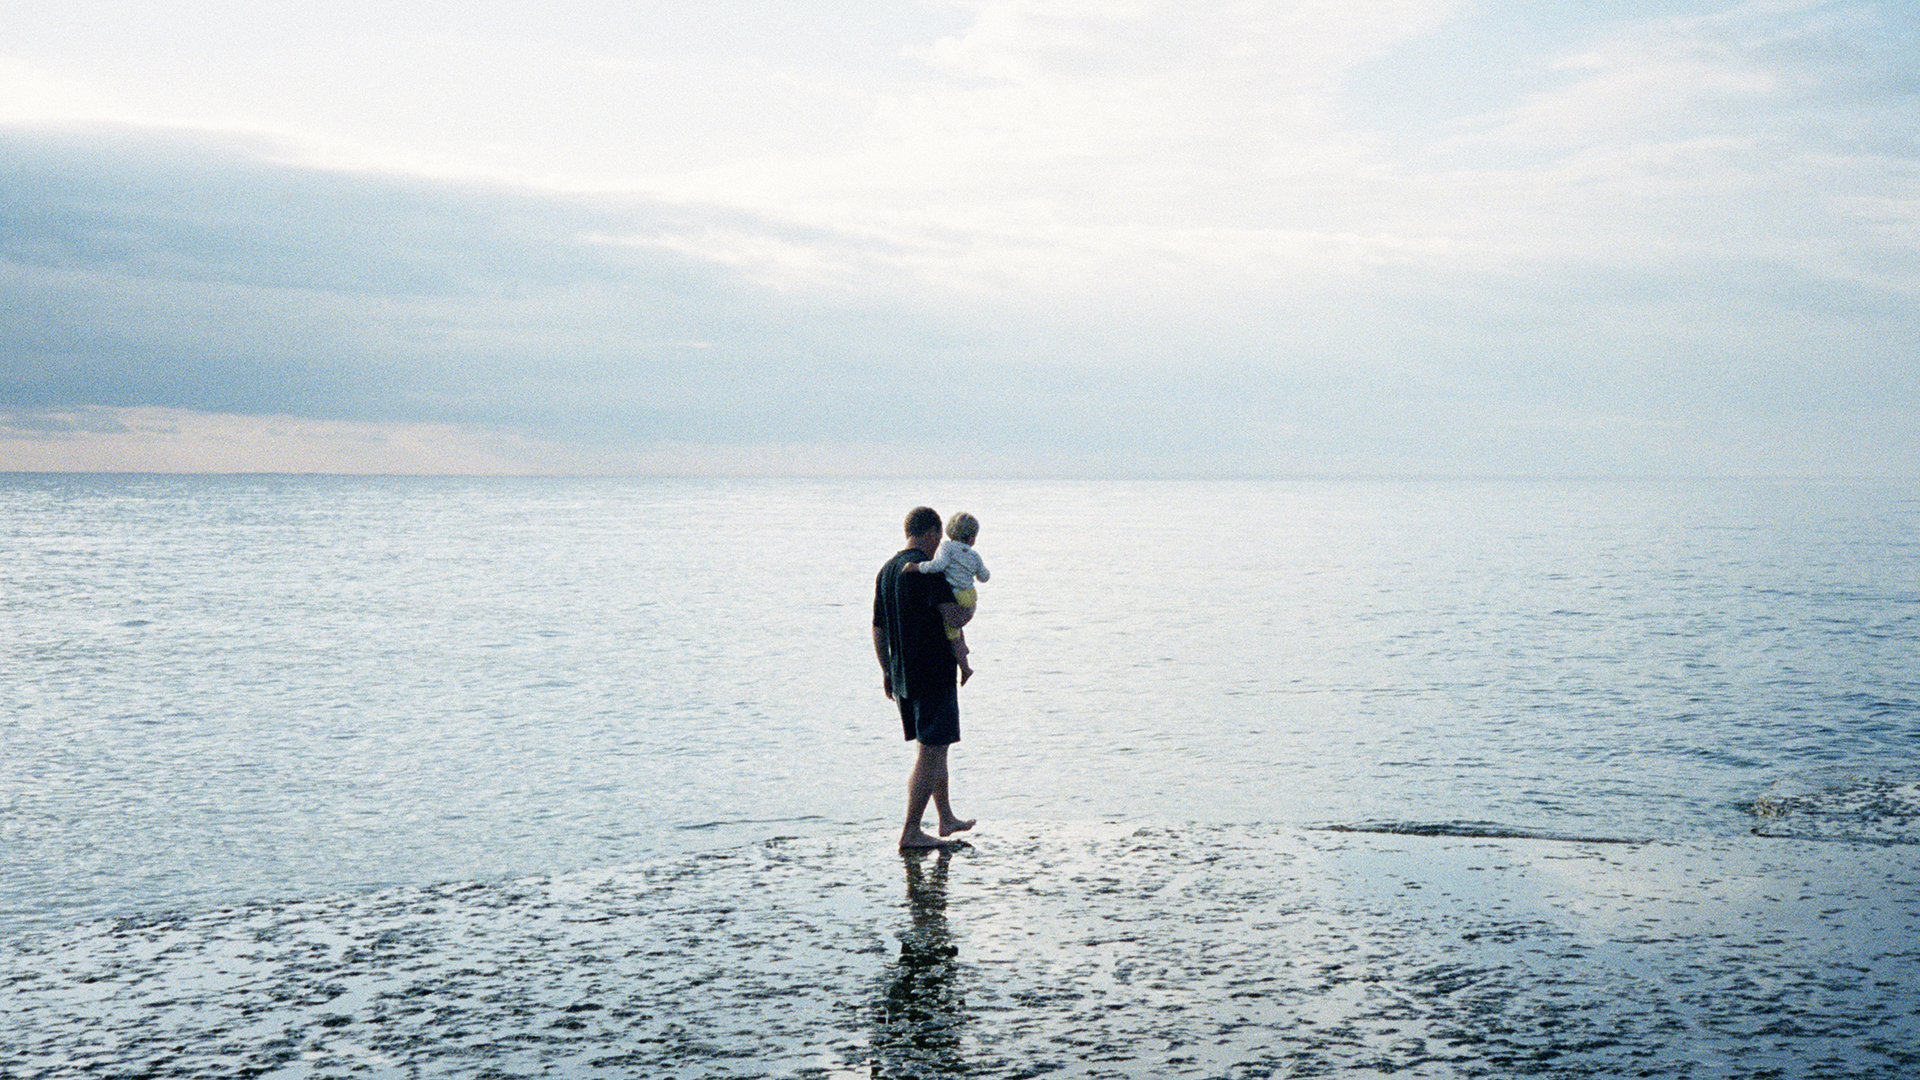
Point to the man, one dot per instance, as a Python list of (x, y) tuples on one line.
[(911, 613)]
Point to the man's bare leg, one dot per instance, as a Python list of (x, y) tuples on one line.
[(929, 782), (949, 824)]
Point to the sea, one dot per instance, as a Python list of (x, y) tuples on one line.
[(224, 692)]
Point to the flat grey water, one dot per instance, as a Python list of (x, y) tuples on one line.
[(227, 688), (320, 777)]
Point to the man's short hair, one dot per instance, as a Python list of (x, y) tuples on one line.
[(963, 527), (922, 520)]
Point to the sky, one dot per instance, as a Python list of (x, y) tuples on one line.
[(972, 238)]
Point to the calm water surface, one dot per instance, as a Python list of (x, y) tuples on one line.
[(242, 687)]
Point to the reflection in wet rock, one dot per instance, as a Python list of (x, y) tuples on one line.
[(921, 1015), (1060, 950)]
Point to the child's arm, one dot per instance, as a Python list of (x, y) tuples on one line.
[(935, 565)]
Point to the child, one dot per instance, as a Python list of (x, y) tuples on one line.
[(963, 567)]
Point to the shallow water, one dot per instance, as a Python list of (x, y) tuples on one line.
[(1072, 951), (236, 687), (309, 776)]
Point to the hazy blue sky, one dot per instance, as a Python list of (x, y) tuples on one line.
[(961, 236)]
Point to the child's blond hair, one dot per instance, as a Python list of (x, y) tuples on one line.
[(963, 527)]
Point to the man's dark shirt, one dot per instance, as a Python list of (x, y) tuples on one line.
[(907, 609)]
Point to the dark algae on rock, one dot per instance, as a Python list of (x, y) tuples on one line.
[(1058, 950)]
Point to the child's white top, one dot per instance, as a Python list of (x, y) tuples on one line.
[(959, 562)]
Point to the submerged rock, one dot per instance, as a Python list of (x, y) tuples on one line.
[(1069, 950)]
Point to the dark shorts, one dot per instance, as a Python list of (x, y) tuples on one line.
[(933, 720)]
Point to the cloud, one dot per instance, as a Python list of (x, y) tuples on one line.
[(196, 275), (1759, 132), (1122, 236), (154, 439)]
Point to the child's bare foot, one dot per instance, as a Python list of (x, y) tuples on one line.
[(965, 674), (948, 828)]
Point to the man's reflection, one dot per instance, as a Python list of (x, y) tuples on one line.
[(917, 1024)]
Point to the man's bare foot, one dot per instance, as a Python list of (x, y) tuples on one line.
[(948, 828), (919, 841)]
